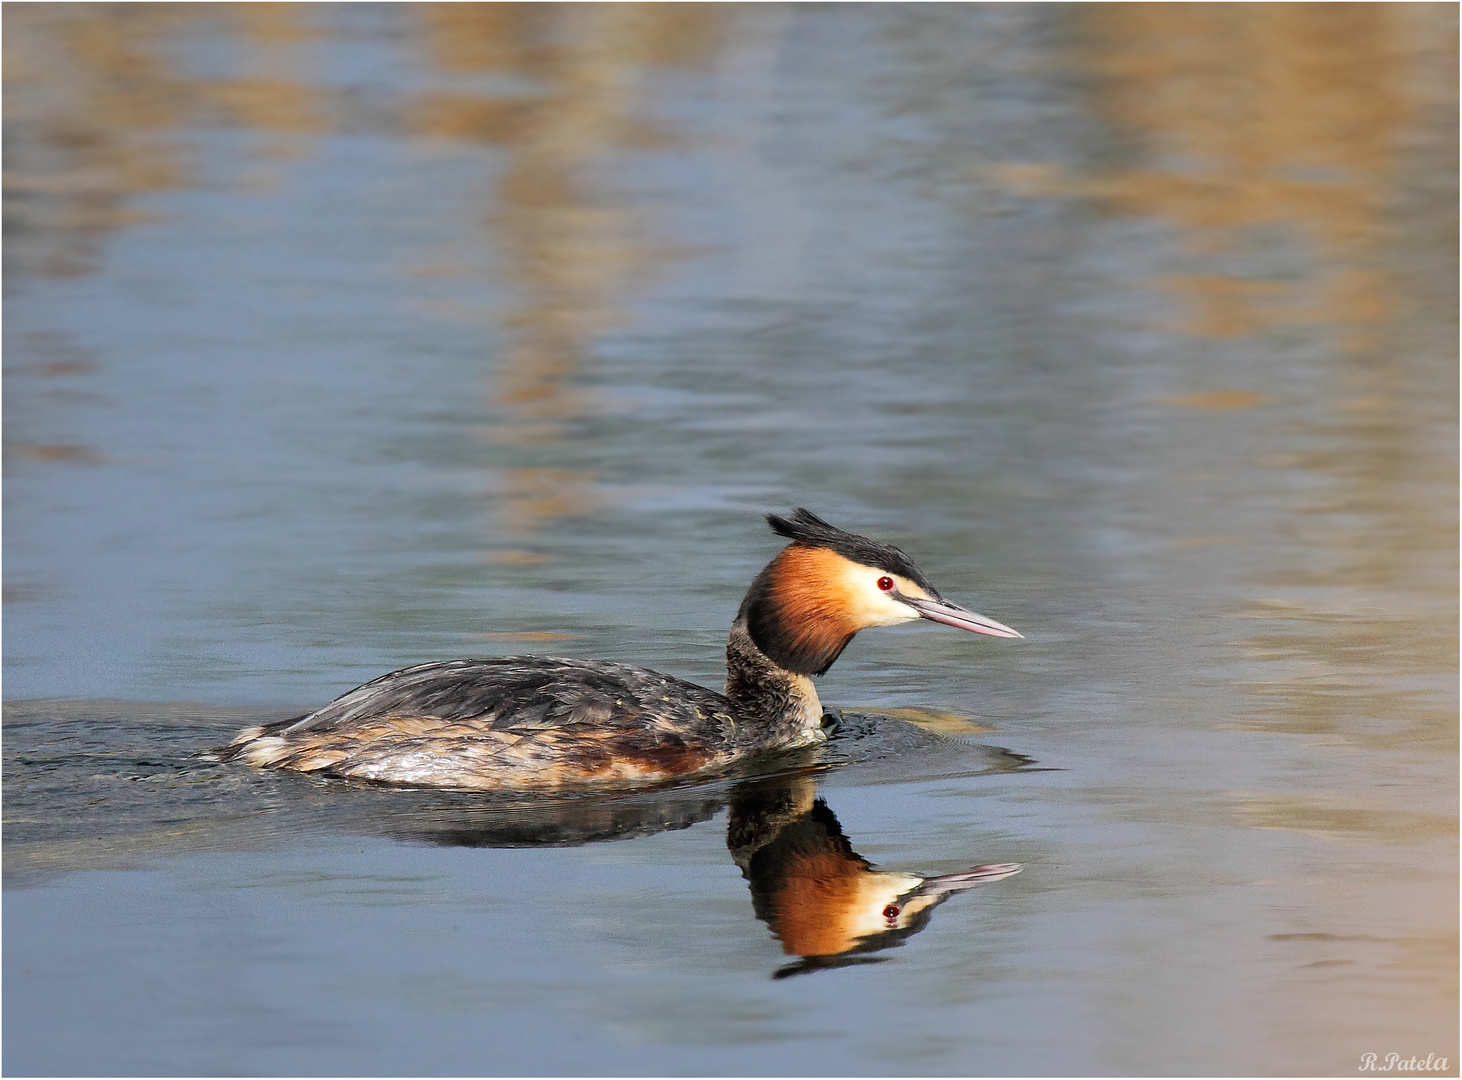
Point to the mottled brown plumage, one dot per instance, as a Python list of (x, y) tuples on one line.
[(504, 723)]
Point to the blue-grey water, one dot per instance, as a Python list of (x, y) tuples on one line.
[(339, 338)]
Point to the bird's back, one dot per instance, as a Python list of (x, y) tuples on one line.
[(517, 722)]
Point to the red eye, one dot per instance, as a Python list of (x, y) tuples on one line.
[(886, 584), (891, 912)]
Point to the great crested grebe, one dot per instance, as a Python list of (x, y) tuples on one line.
[(543, 723)]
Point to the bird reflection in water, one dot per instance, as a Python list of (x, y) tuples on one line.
[(829, 906), (825, 902)]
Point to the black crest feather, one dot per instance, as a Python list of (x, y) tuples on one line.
[(805, 527)]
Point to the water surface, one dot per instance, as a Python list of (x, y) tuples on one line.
[(341, 338)]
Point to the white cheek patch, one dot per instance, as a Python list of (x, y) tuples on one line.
[(872, 606), (876, 892)]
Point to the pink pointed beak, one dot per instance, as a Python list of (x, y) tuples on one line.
[(942, 611)]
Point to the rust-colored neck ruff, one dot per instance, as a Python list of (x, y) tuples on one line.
[(797, 611)]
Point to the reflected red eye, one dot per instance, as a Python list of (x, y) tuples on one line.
[(891, 912), (886, 584)]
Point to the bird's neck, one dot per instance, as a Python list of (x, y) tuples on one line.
[(777, 706)]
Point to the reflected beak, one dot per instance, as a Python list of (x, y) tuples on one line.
[(942, 611), (968, 879)]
